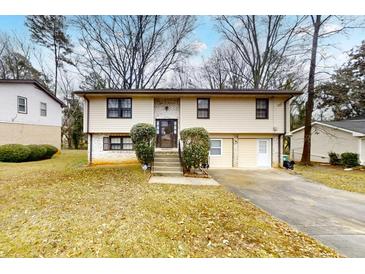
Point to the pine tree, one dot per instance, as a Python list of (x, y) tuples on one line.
[(50, 31), (344, 94)]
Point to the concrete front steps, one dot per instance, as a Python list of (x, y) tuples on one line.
[(167, 163)]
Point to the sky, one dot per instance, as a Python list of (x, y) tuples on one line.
[(207, 38)]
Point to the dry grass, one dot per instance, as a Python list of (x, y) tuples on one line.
[(335, 177), (61, 208)]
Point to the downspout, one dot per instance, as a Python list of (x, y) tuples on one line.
[(87, 129), (279, 146)]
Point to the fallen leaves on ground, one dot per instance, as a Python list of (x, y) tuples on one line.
[(334, 176), (62, 208)]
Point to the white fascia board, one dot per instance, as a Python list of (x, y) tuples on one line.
[(354, 133)]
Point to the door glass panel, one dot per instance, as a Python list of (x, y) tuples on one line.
[(167, 130), (262, 147)]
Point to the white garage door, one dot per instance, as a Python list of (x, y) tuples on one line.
[(220, 153), (254, 153)]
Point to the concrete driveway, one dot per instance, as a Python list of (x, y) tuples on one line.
[(334, 217)]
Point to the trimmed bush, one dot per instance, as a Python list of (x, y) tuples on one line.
[(334, 158), (14, 153), (196, 147), (349, 159), (37, 152), (143, 138), (144, 152), (51, 150)]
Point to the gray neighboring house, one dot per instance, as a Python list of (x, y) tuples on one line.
[(337, 136)]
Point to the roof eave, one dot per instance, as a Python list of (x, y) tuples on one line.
[(36, 84), (354, 133), (192, 92)]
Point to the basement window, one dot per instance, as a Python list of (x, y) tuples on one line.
[(117, 143), (215, 147)]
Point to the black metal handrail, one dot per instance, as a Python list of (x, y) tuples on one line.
[(180, 153)]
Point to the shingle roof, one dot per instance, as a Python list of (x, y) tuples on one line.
[(35, 83), (353, 125), (189, 91)]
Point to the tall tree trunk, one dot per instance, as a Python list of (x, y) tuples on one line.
[(310, 101), (56, 69)]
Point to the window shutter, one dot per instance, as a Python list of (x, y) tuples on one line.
[(106, 143)]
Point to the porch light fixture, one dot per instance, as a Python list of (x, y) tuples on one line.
[(166, 108)]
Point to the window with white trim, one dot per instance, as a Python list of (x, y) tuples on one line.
[(43, 109), (215, 147), (22, 105)]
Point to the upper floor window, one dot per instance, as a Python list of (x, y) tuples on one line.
[(119, 108), (22, 105), (43, 109), (262, 108), (203, 109)]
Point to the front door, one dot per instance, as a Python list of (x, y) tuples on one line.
[(166, 133), (263, 152)]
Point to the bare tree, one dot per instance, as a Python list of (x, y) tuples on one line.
[(317, 30), (317, 22), (15, 56), (263, 44), (133, 51)]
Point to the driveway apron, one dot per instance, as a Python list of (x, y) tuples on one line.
[(334, 217)]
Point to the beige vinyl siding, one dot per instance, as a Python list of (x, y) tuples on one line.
[(324, 140), (85, 115), (247, 152), (224, 160), (142, 112), (288, 115), (362, 151), (16, 133), (233, 115)]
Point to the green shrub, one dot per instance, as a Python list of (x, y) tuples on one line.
[(144, 152), (196, 147), (334, 158), (143, 138), (349, 159), (37, 152), (51, 150), (14, 153), (143, 132)]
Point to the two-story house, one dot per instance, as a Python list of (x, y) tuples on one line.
[(246, 127), (29, 113)]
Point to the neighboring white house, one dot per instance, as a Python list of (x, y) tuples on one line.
[(29, 114), (337, 136), (246, 127)]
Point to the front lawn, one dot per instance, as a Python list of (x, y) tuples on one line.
[(61, 208), (334, 176)]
